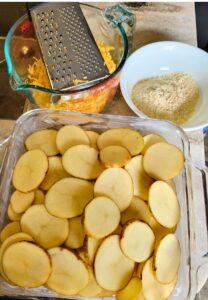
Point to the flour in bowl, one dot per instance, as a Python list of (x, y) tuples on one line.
[(172, 97)]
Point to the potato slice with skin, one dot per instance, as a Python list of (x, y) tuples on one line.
[(163, 161), (171, 183), (39, 197), (21, 201), (47, 230), (101, 217), (118, 230), (15, 238), (68, 197), (55, 172), (12, 215), (69, 274), (82, 161), (83, 256), (138, 209), (167, 259), (91, 246), (44, 140), (116, 184), (113, 269), (159, 231), (151, 139), (164, 204), (125, 137), (106, 293), (131, 291), (26, 265), (137, 241), (30, 170), (92, 289), (93, 136), (10, 229), (140, 269), (151, 288), (141, 180), (76, 234), (69, 136), (114, 156)]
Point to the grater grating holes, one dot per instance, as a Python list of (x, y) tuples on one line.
[(74, 47)]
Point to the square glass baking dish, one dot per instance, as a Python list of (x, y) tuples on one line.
[(41, 118)]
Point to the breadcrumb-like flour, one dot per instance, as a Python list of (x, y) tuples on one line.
[(172, 97)]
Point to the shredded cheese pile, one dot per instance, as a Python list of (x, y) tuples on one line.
[(37, 75), (105, 51)]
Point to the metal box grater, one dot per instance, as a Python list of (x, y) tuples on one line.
[(68, 47)]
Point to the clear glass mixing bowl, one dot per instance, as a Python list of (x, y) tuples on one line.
[(113, 26)]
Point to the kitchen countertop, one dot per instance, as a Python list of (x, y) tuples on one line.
[(175, 21)]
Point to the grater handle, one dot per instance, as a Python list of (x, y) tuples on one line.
[(118, 15)]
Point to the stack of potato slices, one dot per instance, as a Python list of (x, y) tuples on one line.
[(94, 214)]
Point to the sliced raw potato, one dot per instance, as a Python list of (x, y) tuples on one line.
[(44, 140), (69, 136), (15, 238), (151, 139), (138, 209), (82, 161), (39, 197), (114, 156), (151, 288), (47, 230), (171, 183), (101, 217), (30, 170), (164, 204), (140, 269), (167, 259), (93, 136), (159, 231), (137, 241), (21, 201), (141, 180), (92, 289), (113, 269), (26, 265), (12, 215), (125, 137), (163, 161), (68, 197), (140, 296), (83, 256), (116, 184), (131, 291), (55, 172), (118, 230), (76, 234), (91, 246), (106, 293), (69, 274), (10, 229)]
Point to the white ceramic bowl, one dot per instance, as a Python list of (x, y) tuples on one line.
[(162, 58)]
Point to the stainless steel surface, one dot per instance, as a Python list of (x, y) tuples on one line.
[(67, 44)]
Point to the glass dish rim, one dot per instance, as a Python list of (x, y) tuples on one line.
[(21, 86), (112, 121)]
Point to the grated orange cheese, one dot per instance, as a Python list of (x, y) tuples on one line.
[(37, 75)]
